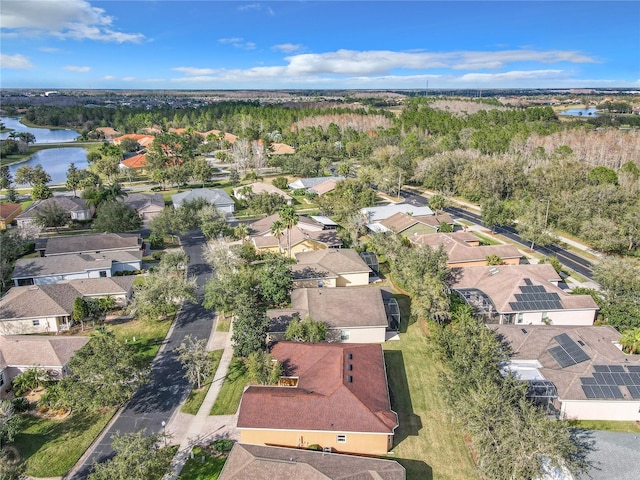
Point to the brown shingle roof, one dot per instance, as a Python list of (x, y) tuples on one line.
[(459, 250), (502, 282), (68, 204), (9, 209), (259, 462), (44, 351), (337, 260), (92, 243), (326, 389), (399, 222), (337, 307)]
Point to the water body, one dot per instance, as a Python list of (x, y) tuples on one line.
[(55, 162), (43, 135), (580, 112)]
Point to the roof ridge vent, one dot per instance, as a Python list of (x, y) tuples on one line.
[(494, 270)]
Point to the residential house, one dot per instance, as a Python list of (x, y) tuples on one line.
[(108, 132), (353, 315), (48, 308), (334, 267), (307, 235), (411, 225), (60, 268), (332, 395), (281, 149), (146, 205), (214, 196), (90, 243), (76, 208), (143, 140), (260, 187), (21, 352), (379, 213), (259, 462), (522, 294), (577, 372), (324, 187), (464, 249), (8, 212), (307, 183), (136, 162)]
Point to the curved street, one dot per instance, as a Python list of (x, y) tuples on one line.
[(159, 399)]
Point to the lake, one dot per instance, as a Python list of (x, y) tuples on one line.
[(580, 112), (43, 135), (55, 162)]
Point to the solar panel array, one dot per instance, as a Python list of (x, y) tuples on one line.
[(567, 352), (535, 297), (607, 380)]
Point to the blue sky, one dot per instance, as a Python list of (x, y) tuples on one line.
[(205, 44)]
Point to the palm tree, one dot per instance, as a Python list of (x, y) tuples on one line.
[(630, 340), (241, 231), (289, 218), (277, 230)]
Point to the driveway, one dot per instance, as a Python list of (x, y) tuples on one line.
[(158, 400)]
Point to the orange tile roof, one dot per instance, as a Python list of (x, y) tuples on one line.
[(139, 161)]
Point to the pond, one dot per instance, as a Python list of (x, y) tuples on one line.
[(580, 112), (43, 135), (55, 162)]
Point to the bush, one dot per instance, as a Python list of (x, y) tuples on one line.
[(156, 241), (299, 192), (156, 189), (222, 445), (28, 247), (280, 182), (21, 404), (157, 255)]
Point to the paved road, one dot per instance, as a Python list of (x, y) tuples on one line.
[(568, 259), (157, 401)]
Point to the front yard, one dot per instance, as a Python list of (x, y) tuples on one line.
[(230, 394)]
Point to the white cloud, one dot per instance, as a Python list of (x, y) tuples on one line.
[(109, 77), (256, 7), (15, 62), (73, 68), (237, 42), (75, 19), (49, 50), (194, 72), (128, 79), (288, 47)]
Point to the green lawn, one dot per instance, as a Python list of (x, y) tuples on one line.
[(196, 469), (611, 426), (51, 447), (426, 443), (485, 239), (228, 399), (145, 335), (196, 396), (223, 325)]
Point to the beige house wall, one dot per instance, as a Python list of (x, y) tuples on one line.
[(364, 443), (564, 317), (353, 279), (304, 246), (326, 283), (360, 335), (26, 326), (601, 410)]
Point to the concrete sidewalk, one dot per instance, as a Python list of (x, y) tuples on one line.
[(202, 428)]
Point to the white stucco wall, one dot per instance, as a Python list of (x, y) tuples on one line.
[(559, 317), (26, 326), (126, 266), (353, 279), (621, 410), (360, 335)]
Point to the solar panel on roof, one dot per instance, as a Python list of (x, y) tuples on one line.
[(528, 281), (588, 391), (601, 368), (568, 353), (634, 368), (636, 378), (616, 368), (588, 381), (561, 356), (634, 391), (617, 379)]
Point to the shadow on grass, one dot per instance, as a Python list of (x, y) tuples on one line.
[(416, 469), (404, 302), (410, 423)]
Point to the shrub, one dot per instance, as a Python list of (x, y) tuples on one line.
[(21, 404), (280, 182), (222, 445), (157, 255)]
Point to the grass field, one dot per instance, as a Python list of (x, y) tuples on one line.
[(196, 469), (196, 396), (231, 391), (223, 325), (51, 447), (145, 335), (426, 443), (610, 426)]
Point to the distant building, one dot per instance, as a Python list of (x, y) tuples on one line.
[(76, 208), (214, 196)]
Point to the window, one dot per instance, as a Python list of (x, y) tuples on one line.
[(520, 317), (35, 323), (103, 273), (341, 439)]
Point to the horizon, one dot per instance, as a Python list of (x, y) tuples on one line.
[(356, 45)]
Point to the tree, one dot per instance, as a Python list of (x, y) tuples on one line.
[(138, 456), (194, 358), (280, 182), (116, 217), (620, 282), (533, 225), (74, 178), (307, 330), (6, 180), (494, 260), (241, 231), (201, 170), (438, 202), (263, 368), (104, 373), (630, 340), (213, 223), (602, 174), (10, 422), (41, 192), (496, 212), (289, 219), (276, 281), (80, 311), (129, 145), (31, 379), (277, 230), (52, 215), (32, 175), (161, 295), (174, 262), (249, 326)]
